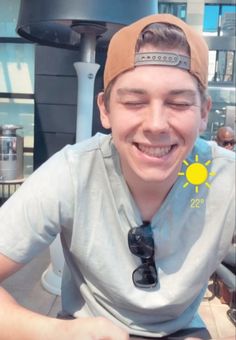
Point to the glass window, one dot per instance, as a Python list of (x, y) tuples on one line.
[(20, 112), (8, 17), (221, 66), (228, 20), (228, 9), (177, 9), (212, 65), (16, 79), (219, 19), (211, 19), (229, 67), (16, 68)]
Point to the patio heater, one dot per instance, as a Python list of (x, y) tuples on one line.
[(83, 26)]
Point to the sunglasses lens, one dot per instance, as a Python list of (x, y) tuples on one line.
[(145, 276), (141, 242), (230, 142)]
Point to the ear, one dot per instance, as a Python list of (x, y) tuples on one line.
[(206, 108), (104, 114)]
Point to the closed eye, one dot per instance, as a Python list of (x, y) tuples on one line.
[(134, 104), (179, 106)]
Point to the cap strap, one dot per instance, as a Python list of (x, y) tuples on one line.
[(162, 58)]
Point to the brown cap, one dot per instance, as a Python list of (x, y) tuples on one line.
[(121, 50)]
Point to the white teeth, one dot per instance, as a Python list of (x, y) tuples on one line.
[(154, 151)]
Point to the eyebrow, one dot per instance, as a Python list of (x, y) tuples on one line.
[(187, 92), (126, 91), (140, 91)]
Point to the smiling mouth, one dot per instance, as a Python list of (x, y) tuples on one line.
[(152, 151)]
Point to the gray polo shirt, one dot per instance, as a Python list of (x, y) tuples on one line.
[(81, 192)]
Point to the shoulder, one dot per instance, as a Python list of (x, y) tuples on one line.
[(210, 151), (86, 147), (85, 158), (221, 153), (223, 160), (72, 155)]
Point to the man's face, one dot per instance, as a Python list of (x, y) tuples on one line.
[(227, 141), (155, 115)]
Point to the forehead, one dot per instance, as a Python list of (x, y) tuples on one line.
[(227, 134), (155, 79)]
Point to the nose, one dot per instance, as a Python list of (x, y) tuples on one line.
[(229, 147), (156, 119)]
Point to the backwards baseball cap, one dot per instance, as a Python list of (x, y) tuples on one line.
[(121, 55)]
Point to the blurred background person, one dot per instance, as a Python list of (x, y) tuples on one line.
[(226, 137)]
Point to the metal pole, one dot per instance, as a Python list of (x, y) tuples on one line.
[(86, 72)]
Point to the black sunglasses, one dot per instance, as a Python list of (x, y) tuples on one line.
[(141, 244), (228, 142)]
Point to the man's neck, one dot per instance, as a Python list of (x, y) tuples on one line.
[(149, 198)]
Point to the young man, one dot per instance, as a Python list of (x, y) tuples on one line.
[(141, 231)]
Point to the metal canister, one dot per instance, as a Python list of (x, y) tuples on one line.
[(11, 153)]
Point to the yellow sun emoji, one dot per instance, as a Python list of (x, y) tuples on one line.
[(197, 173)]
